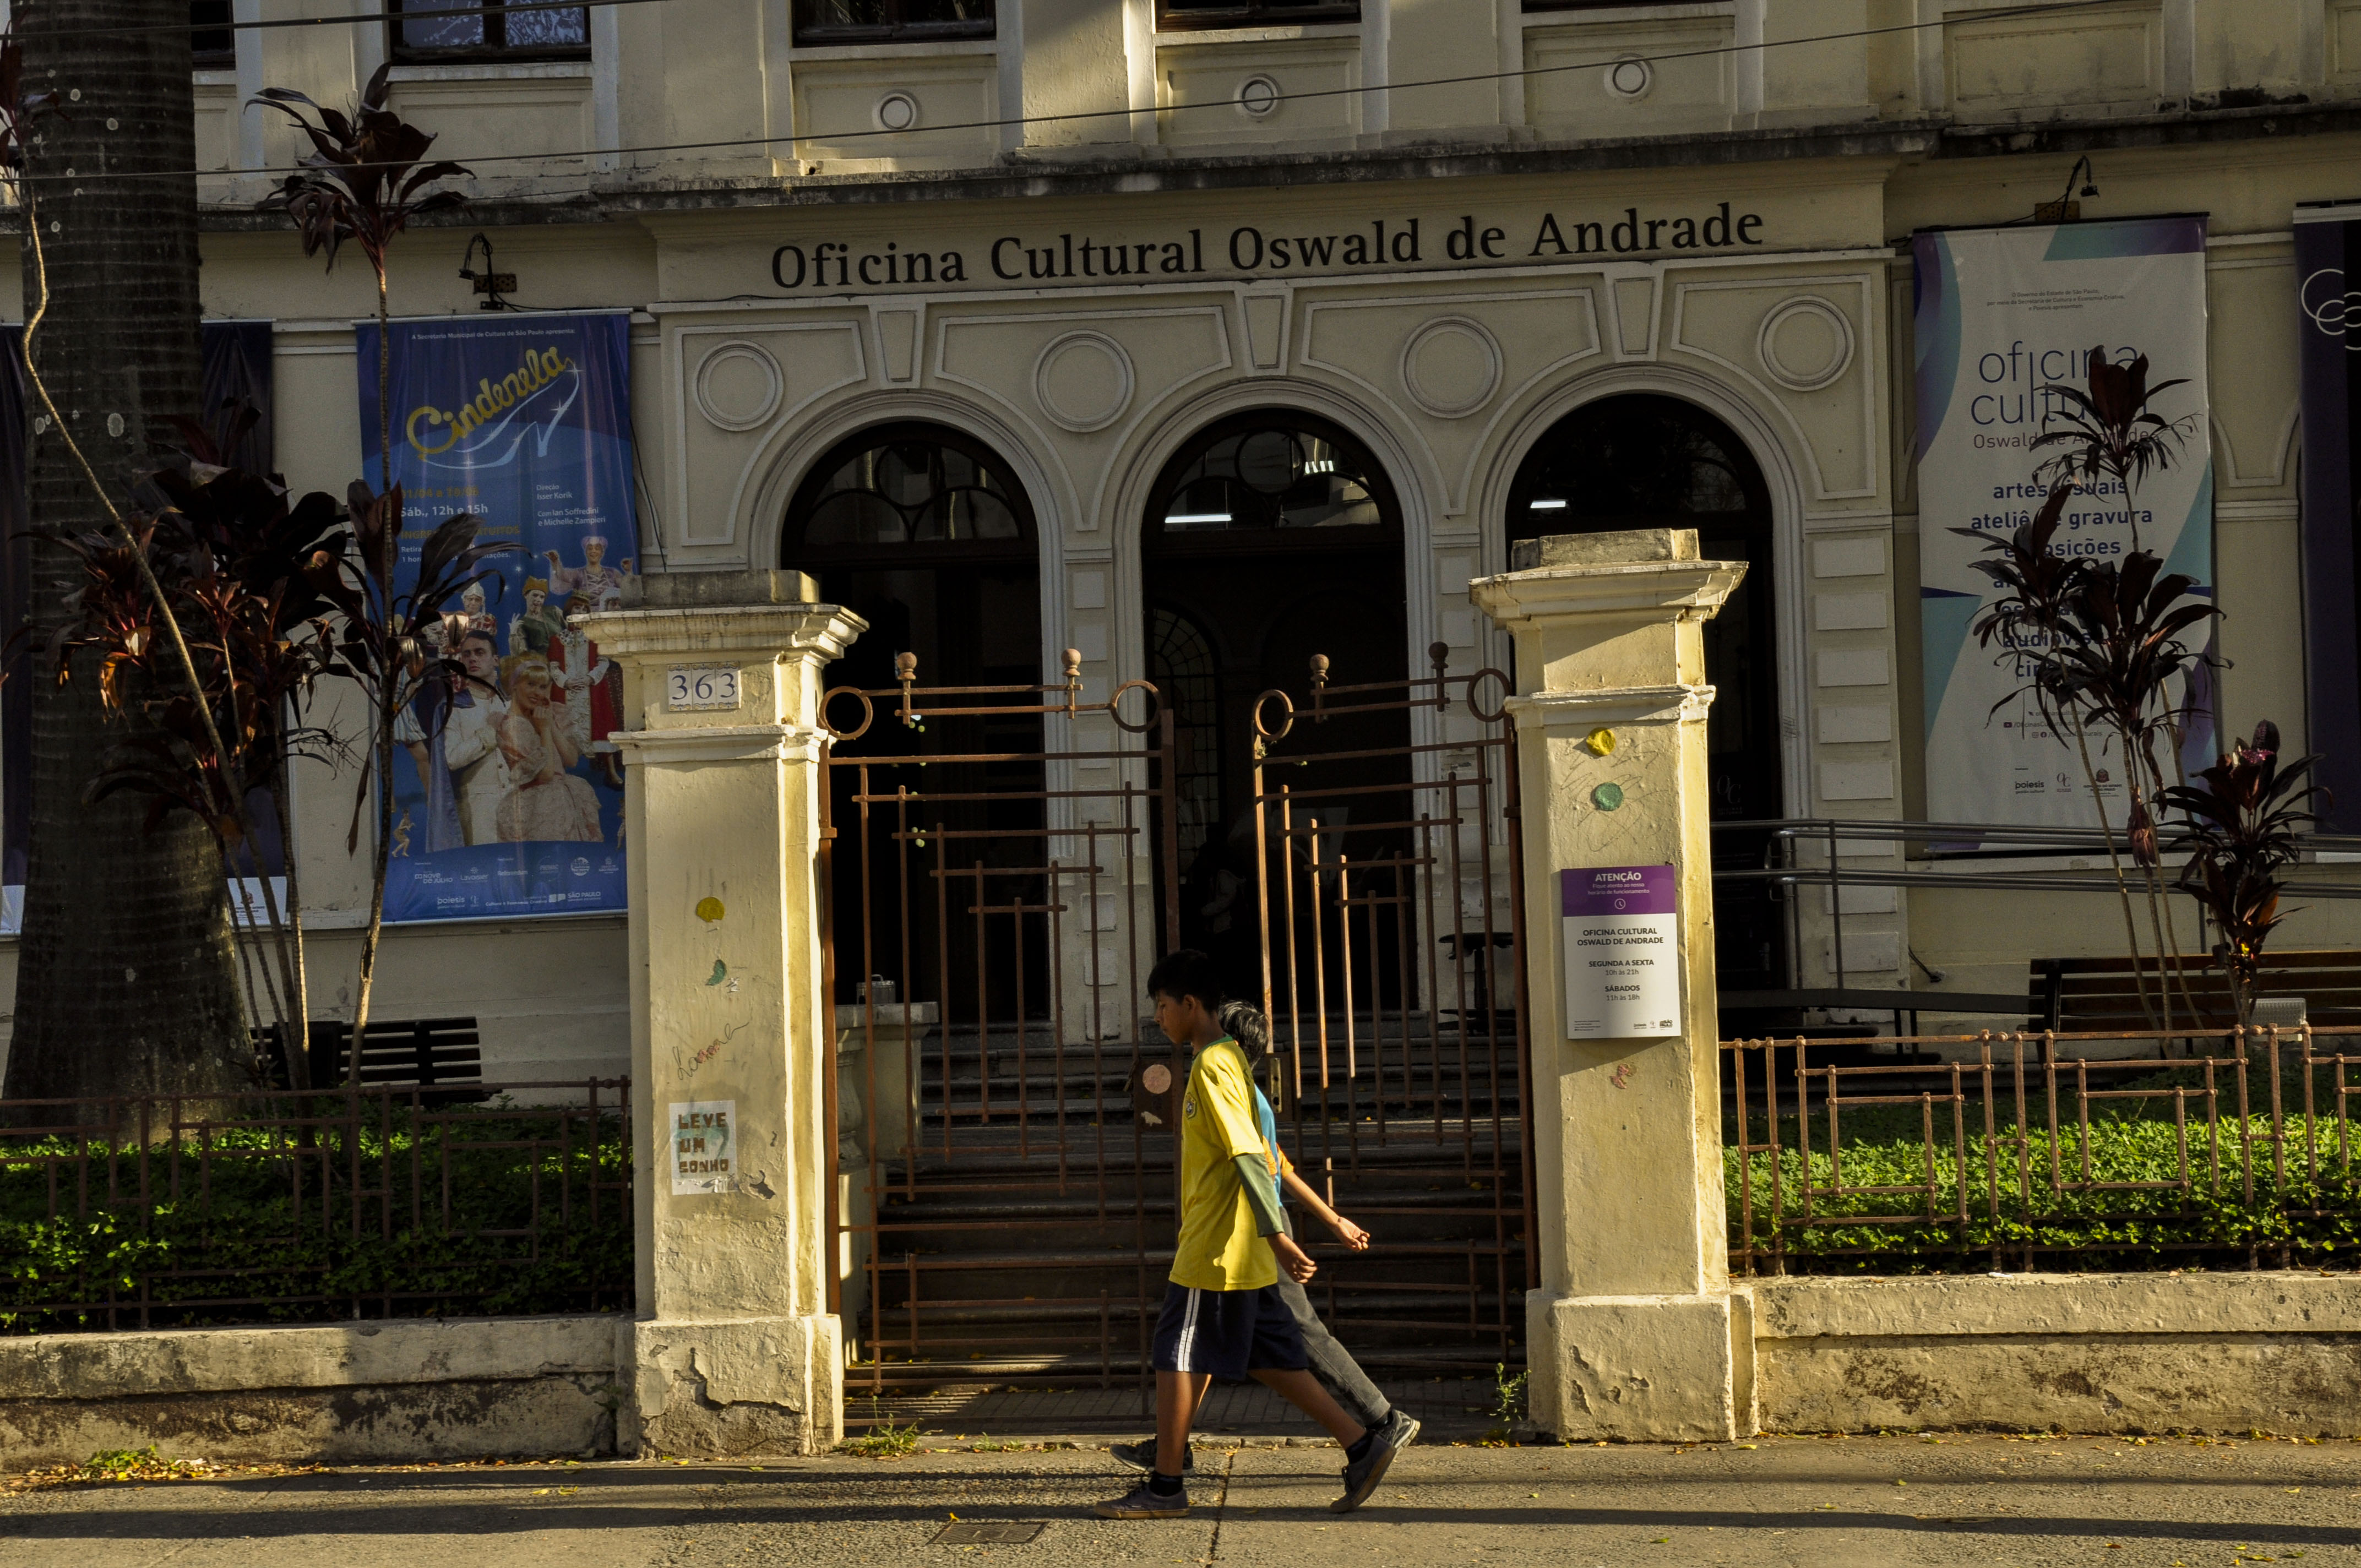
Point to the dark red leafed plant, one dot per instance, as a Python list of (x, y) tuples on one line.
[(366, 177), (2246, 817), (2110, 429), (224, 555)]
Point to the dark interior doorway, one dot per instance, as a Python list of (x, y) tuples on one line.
[(926, 534), (1649, 461), (1270, 537)]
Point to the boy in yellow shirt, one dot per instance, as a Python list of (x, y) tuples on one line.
[(1222, 1314)]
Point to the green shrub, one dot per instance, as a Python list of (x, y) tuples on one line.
[(2124, 1198), (435, 1217)]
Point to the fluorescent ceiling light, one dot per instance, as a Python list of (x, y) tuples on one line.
[(1187, 519), (1547, 506)]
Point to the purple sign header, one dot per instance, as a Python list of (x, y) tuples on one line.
[(1619, 890)]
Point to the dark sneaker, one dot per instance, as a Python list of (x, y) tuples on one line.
[(1141, 1503), (1362, 1475), (1141, 1456), (1399, 1432)]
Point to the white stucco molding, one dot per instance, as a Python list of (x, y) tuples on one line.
[(756, 630), (734, 743), (1611, 705), (1686, 591)]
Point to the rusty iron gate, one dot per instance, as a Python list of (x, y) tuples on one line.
[(997, 902), (1002, 868), (1391, 895)]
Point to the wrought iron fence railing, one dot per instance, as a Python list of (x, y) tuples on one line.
[(385, 1202), (2024, 1150)]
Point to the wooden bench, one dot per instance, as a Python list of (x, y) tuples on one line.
[(2102, 994), (444, 1054)]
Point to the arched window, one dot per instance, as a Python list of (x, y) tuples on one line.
[(1270, 537), (908, 494), (1181, 662), (1635, 462), (926, 534), (1256, 481), (1650, 461)]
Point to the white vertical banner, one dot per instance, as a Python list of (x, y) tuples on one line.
[(2001, 315)]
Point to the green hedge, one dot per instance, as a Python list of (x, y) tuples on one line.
[(2295, 1217), (236, 1229)]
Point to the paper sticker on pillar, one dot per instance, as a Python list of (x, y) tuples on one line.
[(704, 1146), (1623, 947)]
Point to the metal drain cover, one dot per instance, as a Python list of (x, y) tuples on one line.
[(982, 1534)]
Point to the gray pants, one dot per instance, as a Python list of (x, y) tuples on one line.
[(1333, 1366)]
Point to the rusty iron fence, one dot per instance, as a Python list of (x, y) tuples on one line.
[(332, 1204), (996, 905), (1004, 868), (2021, 1150), (1389, 894)]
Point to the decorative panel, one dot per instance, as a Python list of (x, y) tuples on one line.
[(844, 106), (1083, 380), (740, 383), (2016, 66), (504, 117), (1804, 344), (1455, 364), (1212, 93), (1653, 77)]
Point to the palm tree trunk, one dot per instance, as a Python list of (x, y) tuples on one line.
[(127, 980)]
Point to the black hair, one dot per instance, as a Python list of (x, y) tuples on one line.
[(1246, 1025), (1187, 973), (491, 642)]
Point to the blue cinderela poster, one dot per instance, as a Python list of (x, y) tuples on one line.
[(507, 784)]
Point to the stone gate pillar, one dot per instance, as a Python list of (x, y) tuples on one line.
[(735, 1349), (1630, 1333)]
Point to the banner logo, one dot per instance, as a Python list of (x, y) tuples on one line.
[(2331, 308), (531, 399)]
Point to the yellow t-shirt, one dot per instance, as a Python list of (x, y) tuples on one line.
[(1219, 1249)]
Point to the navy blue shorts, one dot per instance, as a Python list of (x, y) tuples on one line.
[(1227, 1332)]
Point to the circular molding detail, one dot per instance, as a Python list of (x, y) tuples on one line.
[(738, 386), (1451, 367), (1805, 344), (896, 111), (1258, 97), (1630, 78), (1084, 382)]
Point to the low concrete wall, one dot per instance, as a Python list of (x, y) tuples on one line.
[(357, 1392), (2128, 1353)]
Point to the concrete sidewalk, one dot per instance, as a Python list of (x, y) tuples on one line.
[(1822, 1501)]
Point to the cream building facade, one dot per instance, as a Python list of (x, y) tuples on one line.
[(1078, 243)]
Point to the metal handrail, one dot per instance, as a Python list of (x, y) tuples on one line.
[(1793, 832)]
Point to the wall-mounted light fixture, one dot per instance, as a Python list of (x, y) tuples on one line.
[(490, 283), (2066, 209)]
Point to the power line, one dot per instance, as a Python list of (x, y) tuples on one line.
[(2051, 8)]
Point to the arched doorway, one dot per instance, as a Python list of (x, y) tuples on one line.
[(1270, 537), (926, 534), (1649, 461)]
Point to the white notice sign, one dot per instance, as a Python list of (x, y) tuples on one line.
[(704, 1146), (1623, 952)]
